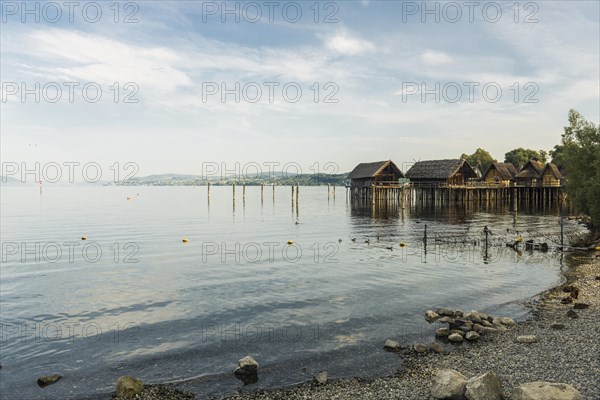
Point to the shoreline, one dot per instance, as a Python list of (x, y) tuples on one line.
[(566, 355), (567, 351)]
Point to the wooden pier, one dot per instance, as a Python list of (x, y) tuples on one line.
[(443, 194)]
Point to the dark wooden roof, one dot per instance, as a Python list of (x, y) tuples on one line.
[(533, 169), (437, 169), (507, 170), (370, 170), (554, 169)]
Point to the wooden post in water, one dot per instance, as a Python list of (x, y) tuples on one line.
[(273, 193), (208, 192), (297, 195), (334, 192), (262, 192), (328, 191)]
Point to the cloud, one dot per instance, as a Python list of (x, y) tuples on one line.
[(436, 58), (345, 44)]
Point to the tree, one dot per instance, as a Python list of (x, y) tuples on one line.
[(519, 157), (558, 156), (480, 156), (581, 156)]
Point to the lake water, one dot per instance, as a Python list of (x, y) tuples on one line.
[(134, 299)]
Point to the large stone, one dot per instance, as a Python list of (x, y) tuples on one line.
[(420, 348), (449, 384), (484, 387), (483, 329), (321, 378), (507, 321), (581, 306), (455, 337), (431, 316), (445, 311), (473, 318), (391, 345), (129, 387), (442, 332), (436, 347), (471, 336), (527, 339), (48, 380), (247, 370), (545, 391)]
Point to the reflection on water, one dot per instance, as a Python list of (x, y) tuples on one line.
[(305, 283)]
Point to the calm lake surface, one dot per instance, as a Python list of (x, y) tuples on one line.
[(133, 299)]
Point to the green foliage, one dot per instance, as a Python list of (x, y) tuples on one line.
[(519, 157), (480, 156), (581, 155), (558, 156)]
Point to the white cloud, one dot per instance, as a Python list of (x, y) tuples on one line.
[(436, 58), (345, 44)]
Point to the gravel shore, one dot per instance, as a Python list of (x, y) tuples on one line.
[(567, 351), (569, 354)]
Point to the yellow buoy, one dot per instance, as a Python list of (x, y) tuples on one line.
[(402, 244), (84, 238), (597, 248), (290, 242), (184, 240), (520, 239)]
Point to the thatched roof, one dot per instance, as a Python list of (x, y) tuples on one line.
[(507, 170), (438, 169), (533, 169), (553, 169), (372, 169)]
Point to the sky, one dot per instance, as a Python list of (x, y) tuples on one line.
[(185, 84)]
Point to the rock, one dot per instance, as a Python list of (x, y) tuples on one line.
[(580, 306), (527, 339), (247, 370), (507, 321), (568, 288), (420, 348), (392, 345), (442, 332), (436, 347), (431, 316), (484, 387), (545, 390), (129, 387), (572, 314), (455, 337), (471, 336), (446, 320), (473, 318), (465, 329), (449, 384), (48, 380), (486, 323), (566, 300), (558, 326), (321, 378), (458, 313), (457, 331), (575, 293), (500, 327), (483, 329), (445, 311), (481, 315)]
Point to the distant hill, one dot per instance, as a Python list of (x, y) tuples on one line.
[(10, 181), (277, 177)]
